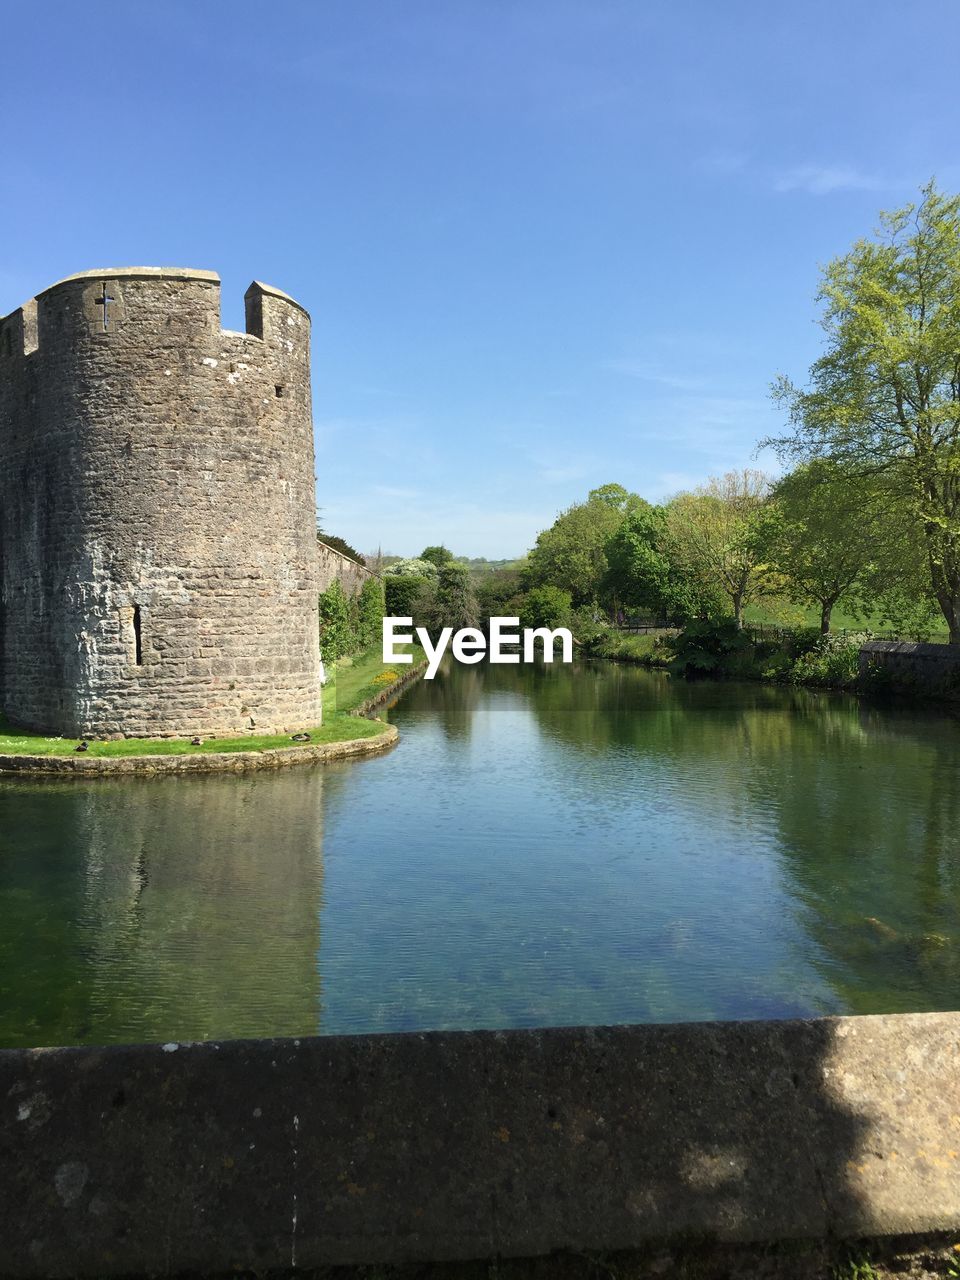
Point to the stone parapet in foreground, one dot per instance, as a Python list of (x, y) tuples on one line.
[(458, 1145)]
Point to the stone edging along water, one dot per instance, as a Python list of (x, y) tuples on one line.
[(391, 692), (73, 766), (260, 1154)]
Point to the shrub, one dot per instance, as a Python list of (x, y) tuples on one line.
[(337, 636), (715, 649), (370, 610), (833, 662), (402, 594), (545, 607)]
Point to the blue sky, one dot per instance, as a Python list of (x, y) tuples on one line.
[(545, 245)]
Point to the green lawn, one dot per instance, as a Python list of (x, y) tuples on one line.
[(354, 680), (793, 615), (337, 727)]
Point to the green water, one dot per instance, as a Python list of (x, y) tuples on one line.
[(546, 846)]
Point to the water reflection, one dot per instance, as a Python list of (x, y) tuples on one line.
[(546, 846), (186, 908)]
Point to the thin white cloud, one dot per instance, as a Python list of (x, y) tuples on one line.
[(724, 161), (646, 371), (824, 180)]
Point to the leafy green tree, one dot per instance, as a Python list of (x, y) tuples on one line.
[(497, 592), (638, 570), (454, 603), (336, 634), (571, 554), (404, 596), (885, 396), (643, 576), (370, 610), (545, 607), (829, 535), (341, 545), (617, 497), (711, 538), (438, 556)]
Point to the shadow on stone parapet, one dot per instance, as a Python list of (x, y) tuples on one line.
[(464, 1145)]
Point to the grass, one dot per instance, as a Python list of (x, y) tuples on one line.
[(785, 614), (355, 680), (624, 647), (337, 727)]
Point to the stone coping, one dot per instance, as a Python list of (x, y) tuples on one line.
[(269, 289), (136, 273), (163, 273), (83, 766), (445, 1146)]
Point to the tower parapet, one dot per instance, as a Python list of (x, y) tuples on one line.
[(158, 571)]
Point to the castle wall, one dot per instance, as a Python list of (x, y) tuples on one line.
[(158, 572), (334, 566)]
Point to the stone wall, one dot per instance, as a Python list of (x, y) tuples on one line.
[(336, 567), (253, 1155), (922, 668), (157, 538)]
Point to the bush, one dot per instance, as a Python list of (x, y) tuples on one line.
[(412, 567), (370, 610), (834, 662), (402, 594), (545, 607), (337, 636), (715, 649)]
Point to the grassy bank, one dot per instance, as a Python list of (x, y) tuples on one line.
[(650, 650), (337, 727), (355, 681), (718, 651), (796, 617)]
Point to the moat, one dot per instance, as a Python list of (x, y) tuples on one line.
[(546, 846)]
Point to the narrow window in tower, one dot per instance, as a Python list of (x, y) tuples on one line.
[(137, 636), (279, 390)]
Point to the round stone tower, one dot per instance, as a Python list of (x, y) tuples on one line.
[(158, 566)]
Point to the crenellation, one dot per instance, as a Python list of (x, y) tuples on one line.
[(157, 492)]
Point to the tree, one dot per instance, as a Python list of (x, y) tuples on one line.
[(545, 607), (571, 554), (336, 634), (643, 575), (711, 537), (830, 535), (406, 596), (412, 567), (438, 556), (884, 399), (339, 544), (370, 609), (454, 604), (617, 497)]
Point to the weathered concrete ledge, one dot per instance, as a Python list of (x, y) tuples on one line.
[(912, 667), (458, 1145), (84, 766)]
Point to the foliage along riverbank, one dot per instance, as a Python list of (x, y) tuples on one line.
[(364, 681), (718, 651)]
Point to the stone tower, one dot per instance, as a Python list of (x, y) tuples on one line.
[(158, 566)]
